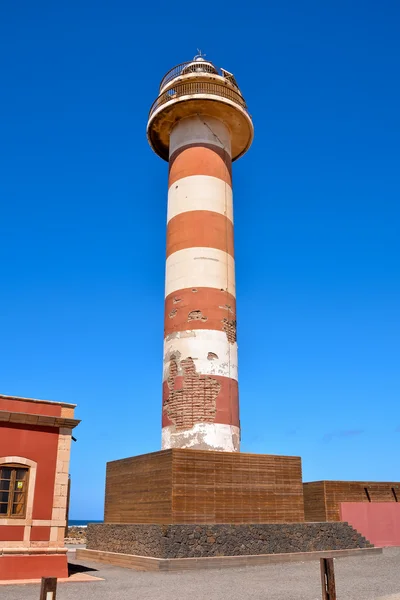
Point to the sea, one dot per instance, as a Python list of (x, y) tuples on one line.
[(81, 522)]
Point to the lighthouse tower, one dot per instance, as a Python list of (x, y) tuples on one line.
[(199, 123)]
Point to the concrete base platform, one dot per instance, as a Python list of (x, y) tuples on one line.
[(146, 563)]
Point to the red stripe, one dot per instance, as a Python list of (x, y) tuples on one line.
[(200, 308), (194, 398), (200, 159), (201, 229)]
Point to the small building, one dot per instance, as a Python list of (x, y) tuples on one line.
[(35, 441), (371, 507)]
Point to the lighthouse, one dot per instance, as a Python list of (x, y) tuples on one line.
[(199, 123)]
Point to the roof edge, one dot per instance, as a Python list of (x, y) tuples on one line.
[(66, 404)]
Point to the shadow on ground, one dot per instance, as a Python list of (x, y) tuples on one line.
[(73, 569)]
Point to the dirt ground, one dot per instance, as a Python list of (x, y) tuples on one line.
[(361, 578)]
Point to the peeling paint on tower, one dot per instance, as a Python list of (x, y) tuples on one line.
[(193, 399)]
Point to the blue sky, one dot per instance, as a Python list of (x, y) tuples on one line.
[(83, 210)]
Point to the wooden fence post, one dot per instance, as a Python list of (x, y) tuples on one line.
[(328, 579), (48, 590)]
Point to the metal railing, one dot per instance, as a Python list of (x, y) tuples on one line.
[(196, 67), (197, 87)]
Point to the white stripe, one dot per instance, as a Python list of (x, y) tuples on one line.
[(210, 350), (202, 436), (200, 129), (200, 192), (200, 267)]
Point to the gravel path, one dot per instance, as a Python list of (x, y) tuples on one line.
[(368, 578)]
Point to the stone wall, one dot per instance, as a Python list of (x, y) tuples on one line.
[(186, 541)]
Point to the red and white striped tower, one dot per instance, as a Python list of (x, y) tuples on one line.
[(200, 124)]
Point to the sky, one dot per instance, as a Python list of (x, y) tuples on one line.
[(316, 200)]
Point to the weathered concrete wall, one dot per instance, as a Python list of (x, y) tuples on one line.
[(185, 541)]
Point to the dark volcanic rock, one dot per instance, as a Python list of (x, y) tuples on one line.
[(182, 541)]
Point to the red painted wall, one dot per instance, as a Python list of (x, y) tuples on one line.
[(39, 444), (33, 567), (34, 408), (379, 522), (12, 533), (40, 533)]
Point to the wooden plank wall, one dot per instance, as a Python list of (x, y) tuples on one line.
[(194, 486), (327, 504), (354, 491), (228, 487), (314, 501), (138, 489)]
